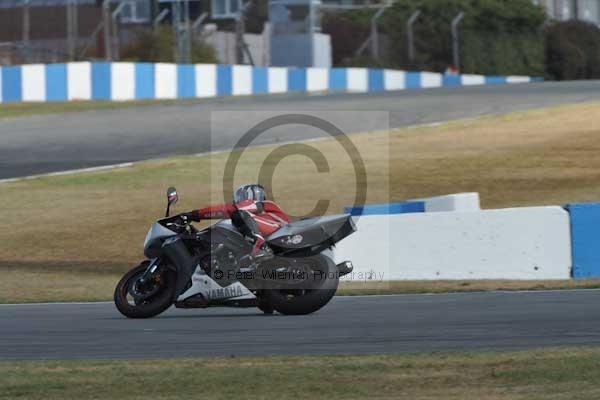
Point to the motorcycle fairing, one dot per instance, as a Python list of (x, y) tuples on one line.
[(312, 232), (223, 232), (212, 291)]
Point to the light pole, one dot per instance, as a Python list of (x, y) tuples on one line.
[(455, 45)]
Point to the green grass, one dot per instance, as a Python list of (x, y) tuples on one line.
[(27, 109), (560, 373), (12, 110)]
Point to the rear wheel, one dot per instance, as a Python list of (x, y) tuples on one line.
[(136, 301), (311, 297), (265, 307)]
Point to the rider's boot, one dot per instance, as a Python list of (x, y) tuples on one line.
[(261, 251)]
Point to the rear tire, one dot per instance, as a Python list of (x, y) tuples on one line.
[(265, 307), (291, 302), (156, 304)]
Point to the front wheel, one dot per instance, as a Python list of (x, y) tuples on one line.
[(310, 298), (134, 301)]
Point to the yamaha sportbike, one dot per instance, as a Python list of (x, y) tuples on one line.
[(192, 268)]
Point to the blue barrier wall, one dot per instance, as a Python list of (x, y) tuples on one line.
[(585, 239), (130, 81), (387, 208), (144, 81)]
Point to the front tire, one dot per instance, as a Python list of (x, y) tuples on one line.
[(150, 307)]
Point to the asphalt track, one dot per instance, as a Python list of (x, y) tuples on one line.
[(348, 325), (50, 143)]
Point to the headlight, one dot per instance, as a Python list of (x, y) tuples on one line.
[(154, 238)]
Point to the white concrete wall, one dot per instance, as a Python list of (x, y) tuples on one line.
[(519, 243), (34, 82), (357, 79), (206, 80), (453, 202), (122, 81), (165, 81), (468, 79), (277, 80), (517, 79), (317, 79), (431, 80), (79, 81), (241, 76), (394, 80)]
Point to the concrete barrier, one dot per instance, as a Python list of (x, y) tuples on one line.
[(122, 81), (585, 233), (450, 202), (517, 243)]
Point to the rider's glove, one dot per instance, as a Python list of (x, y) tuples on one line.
[(192, 216)]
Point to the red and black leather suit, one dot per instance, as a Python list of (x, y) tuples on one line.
[(254, 219)]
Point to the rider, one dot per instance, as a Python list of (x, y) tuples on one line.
[(251, 213)]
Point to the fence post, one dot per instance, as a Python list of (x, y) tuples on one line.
[(159, 18), (107, 26), (175, 22), (455, 45), (375, 33), (198, 22), (72, 28), (410, 36), (116, 37), (188, 33), (26, 29), (75, 25)]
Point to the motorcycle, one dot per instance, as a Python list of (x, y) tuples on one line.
[(197, 268)]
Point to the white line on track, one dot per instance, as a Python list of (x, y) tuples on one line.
[(344, 297), (68, 172)]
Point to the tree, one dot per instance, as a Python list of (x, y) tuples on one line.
[(496, 36), (573, 50)]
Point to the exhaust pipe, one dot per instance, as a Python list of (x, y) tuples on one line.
[(344, 268)]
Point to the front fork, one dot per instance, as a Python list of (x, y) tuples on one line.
[(148, 277)]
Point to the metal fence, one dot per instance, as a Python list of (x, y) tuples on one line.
[(71, 30), (45, 30)]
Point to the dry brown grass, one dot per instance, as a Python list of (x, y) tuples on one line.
[(536, 157), (541, 374), (407, 287), (32, 283)]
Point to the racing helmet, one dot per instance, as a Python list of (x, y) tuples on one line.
[(254, 192)]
